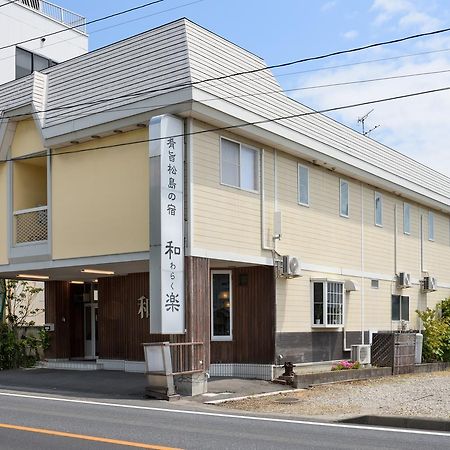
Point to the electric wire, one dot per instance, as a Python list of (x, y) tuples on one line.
[(9, 3), (109, 27), (231, 127), (99, 19), (229, 97)]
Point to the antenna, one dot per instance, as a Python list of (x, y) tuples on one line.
[(362, 121)]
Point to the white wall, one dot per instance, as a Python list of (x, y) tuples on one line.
[(19, 23)]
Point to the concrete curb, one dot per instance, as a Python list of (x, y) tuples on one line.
[(421, 423), (244, 397)]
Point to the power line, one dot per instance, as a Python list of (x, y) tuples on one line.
[(222, 77), (110, 16), (231, 127), (9, 3), (110, 27), (256, 94)]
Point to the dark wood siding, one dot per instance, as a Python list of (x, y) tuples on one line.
[(253, 318), (57, 311), (122, 331)]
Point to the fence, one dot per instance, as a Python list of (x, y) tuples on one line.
[(396, 350), (187, 357), (55, 12), (31, 225)]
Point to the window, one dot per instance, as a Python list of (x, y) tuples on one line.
[(430, 226), (27, 62), (400, 307), (221, 305), (303, 185), (374, 284), (239, 165), (406, 218), (378, 209), (328, 303), (343, 198)]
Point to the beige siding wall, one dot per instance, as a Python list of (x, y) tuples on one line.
[(328, 245), (4, 215), (29, 185), (100, 198), (226, 219), (27, 139)]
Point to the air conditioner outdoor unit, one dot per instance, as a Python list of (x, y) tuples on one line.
[(361, 353), (403, 280), (291, 267), (429, 284)]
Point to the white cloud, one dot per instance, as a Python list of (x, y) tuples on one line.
[(407, 14), (416, 126), (328, 6), (351, 34)]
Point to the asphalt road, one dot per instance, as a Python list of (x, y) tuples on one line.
[(161, 425)]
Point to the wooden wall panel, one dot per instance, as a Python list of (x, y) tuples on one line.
[(122, 331), (253, 319), (57, 311)]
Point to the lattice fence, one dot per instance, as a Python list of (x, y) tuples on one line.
[(396, 350), (31, 225)]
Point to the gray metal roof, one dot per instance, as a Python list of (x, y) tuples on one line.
[(171, 57)]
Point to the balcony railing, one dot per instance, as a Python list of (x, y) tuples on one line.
[(31, 225), (55, 12)]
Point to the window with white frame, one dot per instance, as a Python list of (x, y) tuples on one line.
[(430, 226), (406, 218), (239, 165), (328, 303), (343, 198), (400, 307), (303, 185), (378, 209), (221, 305)]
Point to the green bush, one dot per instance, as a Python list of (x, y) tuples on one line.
[(16, 348), (436, 332)]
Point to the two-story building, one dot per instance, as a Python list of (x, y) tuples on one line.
[(176, 147)]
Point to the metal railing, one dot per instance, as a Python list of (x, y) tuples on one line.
[(31, 225), (55, 12), (187, 357)]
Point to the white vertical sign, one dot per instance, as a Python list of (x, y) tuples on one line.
[(166, 225)]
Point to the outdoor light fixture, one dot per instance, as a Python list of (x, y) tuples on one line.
[(36, 277), (99, 272), (77, 282)]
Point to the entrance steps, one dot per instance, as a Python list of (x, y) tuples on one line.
[(70, 364)]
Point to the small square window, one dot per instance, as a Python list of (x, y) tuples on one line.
[(400, 307), (374, 284), (239, 165), (328, 303)]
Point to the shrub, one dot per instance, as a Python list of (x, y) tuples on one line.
[(17, 349), (346, 365), (436, 332)]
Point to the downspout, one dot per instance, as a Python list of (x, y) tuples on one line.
[(395, 239), (362, 266), (421, 244)]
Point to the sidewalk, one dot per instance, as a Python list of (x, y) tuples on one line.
[(115, 384)]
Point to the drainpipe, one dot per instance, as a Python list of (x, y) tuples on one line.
[(362, 265), (395, 239), (421, 243)]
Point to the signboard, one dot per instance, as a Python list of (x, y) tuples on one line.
[(166, 225)]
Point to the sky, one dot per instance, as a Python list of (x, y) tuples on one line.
[(287, 30)]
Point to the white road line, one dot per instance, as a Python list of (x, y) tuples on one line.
[(229, 416)]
